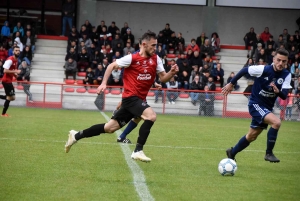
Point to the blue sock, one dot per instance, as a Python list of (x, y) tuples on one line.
[(241, 145), (272, 136), (128, 129)]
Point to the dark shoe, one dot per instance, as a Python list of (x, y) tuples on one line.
[(272, 158), (229, 153), (126, 140)]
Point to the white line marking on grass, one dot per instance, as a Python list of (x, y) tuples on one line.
[(138, 174), (156, 146)]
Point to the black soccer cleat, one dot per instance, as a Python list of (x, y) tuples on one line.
[(229, 153), (272, 158), (124, 140)]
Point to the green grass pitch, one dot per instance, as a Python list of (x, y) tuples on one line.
[(185, 153)]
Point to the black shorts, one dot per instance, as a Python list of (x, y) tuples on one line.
[(9, 89), (132, 107)]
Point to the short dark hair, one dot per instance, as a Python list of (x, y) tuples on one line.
[(14, 47), (113, 22), (148, 35), (193, 39), (168, 24), (282, 51)]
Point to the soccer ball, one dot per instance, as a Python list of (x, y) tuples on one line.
[(227, 167)]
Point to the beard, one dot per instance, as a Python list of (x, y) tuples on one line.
[(17, 55)]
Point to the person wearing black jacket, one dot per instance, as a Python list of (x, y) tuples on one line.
[(26, 55), (68, 12), (83, 60), (95, 59), (127, 36), (29, 40), (171, 43), (249, 38), (99, 73), (196, 85)]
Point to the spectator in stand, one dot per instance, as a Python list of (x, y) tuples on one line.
[(92, 49), (83, 60), (257, 41), (205, 69), (89, 27), (25, 77), (193, 46), (265, 35), (28, 28), (18, 28), (81, 46), (99, 27), (209, 62), (201, 39), (211, 85), (196, 60), (180, 60), (10, 51), (89, 77), (74, 46), (5, 31), (1, 68), (103, 33), (95, 59), (115, 78), (292, 54), (261, 55), (167, 32), (159, 92), (99, 73), (68, 13), (297, 39), (19, 44), (117, 55), (26, 55), (127, 36), (206, 102), (218, 74), (3, 53), (256, 51), (17, 35), (180, 43), (104, 41), (128, 48), (105, 55), (236, 86), (172, 43), (294, 66), (249, 38), (71, 68), (83, 31), (206, 49), (29, 40), (94, 36), (105, 63), (285, 36), (73, 36), (119, 49), (292, 43), (183, 79), (161, 40), (108, 49), (189, 55), (86, 40), (270, 56), (117, 40), (196, 85), (280, 42), (168, 66), (215, 42), (271, 42), (161, 53), (113, 29), (124, 29), (172, 95), (71, 54)]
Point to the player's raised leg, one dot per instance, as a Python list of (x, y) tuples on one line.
[(275, 124), (94, 130), (130, 127), (149, 117)]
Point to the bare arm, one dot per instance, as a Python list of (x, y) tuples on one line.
[(165, 77), (108, 71), (11, 71)]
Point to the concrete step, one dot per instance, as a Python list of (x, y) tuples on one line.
[(49, 73), (51, 43), (48, 57), (233, 58), (46, 79), (231, 61), (233, 52), (41, 64), (51, 50), (46, 68)]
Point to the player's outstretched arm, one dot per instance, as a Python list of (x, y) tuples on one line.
[(165, 77), (108, 71), (228, 87)]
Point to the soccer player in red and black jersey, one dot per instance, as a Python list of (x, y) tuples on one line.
[(139, 74), (10, 71)]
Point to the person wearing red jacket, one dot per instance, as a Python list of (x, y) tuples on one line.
[(3, 53), (193, 46), (265, 35)]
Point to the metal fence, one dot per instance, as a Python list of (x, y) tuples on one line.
[(180, 102)]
